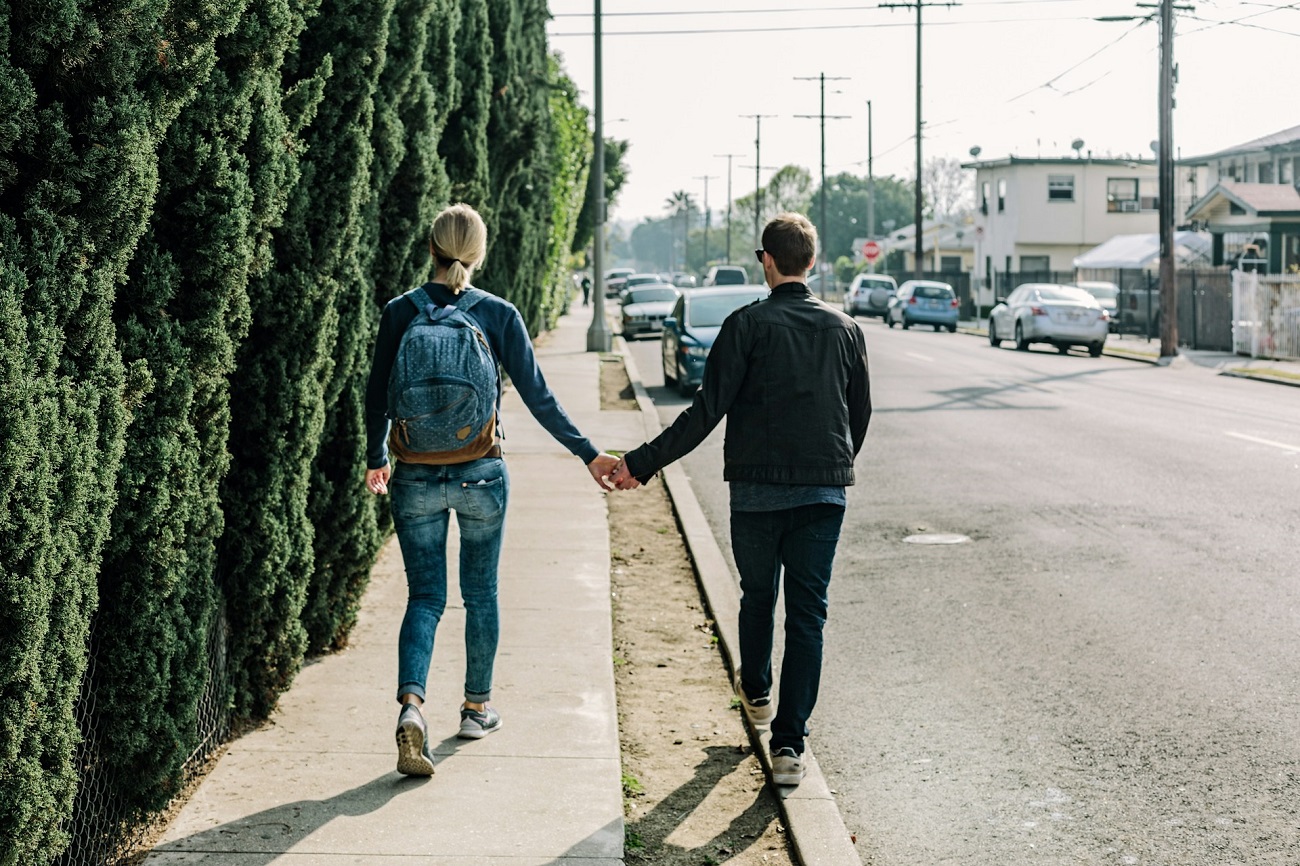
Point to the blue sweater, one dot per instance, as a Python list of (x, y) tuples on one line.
[(505, 332)]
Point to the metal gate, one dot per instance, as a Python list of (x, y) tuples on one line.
[(1266, 315)]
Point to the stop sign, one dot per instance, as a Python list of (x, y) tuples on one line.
[(871, 251)]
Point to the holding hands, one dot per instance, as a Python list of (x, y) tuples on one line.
[(611, 472), (623, 478)]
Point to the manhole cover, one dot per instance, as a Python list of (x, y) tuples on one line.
[(937, 538)]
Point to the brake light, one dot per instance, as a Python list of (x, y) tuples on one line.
[(1037, 311), (954, 303), (1105, 316), (912, 300)]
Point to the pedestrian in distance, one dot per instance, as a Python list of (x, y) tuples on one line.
[(433, 405), (789, 373), (586, 290)]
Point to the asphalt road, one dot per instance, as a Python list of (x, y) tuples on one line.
[(1109, 672)]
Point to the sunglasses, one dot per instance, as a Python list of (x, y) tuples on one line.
[(758, 254)]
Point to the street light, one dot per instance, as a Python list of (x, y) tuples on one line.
[(599, 338)]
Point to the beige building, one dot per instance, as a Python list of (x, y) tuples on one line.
[(1034, 216)]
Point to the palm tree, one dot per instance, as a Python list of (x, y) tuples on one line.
[(681, 203)]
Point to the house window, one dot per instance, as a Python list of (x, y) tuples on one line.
[(1035, 264), (1285, 173), (1060, 187), (984, 198), (950, 264), (1231, 173), (1265, 170), (1122, 195), (1002, 195), (1149, 193)]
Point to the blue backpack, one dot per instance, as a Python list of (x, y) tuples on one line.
[(444, 386)]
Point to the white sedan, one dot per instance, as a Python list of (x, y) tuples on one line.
[(645, 307), (1063, 316)]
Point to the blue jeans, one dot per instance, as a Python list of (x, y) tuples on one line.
[(802, 541), (423, 498)]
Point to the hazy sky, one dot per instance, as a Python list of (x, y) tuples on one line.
[(1014, 77)]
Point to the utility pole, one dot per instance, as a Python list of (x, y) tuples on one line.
[(706, 178), (871, 187), (822, 227), (728, 156), (918, 210), (758, 162), (598, 336)]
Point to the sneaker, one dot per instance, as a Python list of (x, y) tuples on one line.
[(475, 725), (413, 757), (787, 767), (760, 710)]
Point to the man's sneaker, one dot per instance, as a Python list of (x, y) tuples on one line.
[(759, 711), (413, 757), (476, 724), (787, 767)]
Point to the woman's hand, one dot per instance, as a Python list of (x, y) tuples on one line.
[(377, 480)]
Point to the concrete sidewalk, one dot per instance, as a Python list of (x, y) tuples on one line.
[(317, 784)]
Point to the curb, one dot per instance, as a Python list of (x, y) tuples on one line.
[(1261, 377), (812, 818)]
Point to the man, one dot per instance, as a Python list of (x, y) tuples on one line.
[(790, 375)]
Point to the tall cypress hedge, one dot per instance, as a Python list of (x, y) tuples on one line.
[(570, 150), (308, 314), (182, 311), (518, 162), (88, 92), (463, 145)]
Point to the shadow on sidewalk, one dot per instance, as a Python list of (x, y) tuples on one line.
[(262, 838)]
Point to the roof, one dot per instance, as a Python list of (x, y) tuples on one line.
[(1056, 160), (1276, 139), (1134, 252), (1261, 199)]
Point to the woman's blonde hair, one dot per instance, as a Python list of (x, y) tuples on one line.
[(459, 240)]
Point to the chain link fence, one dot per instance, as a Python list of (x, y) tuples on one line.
[(103, 831)]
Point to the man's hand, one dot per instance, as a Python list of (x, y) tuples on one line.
[(602, 468), (377, 480), (623, 478)]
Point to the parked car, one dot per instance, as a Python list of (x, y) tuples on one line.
[(693, 326), (634, 280), (923, 302), (1064, 316), (614, 280), (869, 294), (645, 308), (726, 275), (1107, 294), (684, 281)]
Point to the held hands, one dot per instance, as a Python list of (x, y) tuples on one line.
[(623, 478), (602, 468)]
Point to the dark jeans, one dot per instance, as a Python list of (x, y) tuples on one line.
[(802, 541)]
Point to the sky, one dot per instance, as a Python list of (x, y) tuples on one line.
[(1012, 77)]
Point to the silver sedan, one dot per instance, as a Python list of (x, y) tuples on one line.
[(1063, 316)]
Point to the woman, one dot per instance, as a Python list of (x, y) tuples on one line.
[(426, 488)]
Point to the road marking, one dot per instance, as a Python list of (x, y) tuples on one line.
[(1294, 449), (919, 356)]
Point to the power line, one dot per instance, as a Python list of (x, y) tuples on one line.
[(801, 10), (1111, 44), (814, 27)]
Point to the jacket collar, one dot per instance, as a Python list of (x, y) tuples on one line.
[(791, 289)]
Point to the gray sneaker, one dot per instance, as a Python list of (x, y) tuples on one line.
[(759, 711), (787, 767), (475, 725), (413, 757)]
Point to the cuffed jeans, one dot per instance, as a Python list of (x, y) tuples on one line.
[(423, 498), (802, 541)]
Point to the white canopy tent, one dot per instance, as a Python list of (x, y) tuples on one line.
[(1142, 252)]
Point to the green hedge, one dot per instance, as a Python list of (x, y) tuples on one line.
[(202, 206)]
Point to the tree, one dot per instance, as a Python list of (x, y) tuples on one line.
[(680, 204), (847, 197), (615, 177), (949, 188)]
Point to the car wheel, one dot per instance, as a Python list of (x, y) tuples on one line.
[(906, 323), (1021, 343), (889, 320), (669, 379), (1095, 349), (685, 389), (1063, 348), (994, 340), (952, 329), (936, 328)]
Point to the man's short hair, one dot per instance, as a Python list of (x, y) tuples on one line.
[(792, 242)]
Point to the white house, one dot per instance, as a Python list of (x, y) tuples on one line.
[(1035, 215)]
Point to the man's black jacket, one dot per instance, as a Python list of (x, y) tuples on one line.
[(790, 375)]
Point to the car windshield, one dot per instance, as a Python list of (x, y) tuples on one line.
[(640, 280), (729, 277), (934, 292), (1061, 293), (709, 312), (646, 296)]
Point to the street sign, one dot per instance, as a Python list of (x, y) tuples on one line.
[(871, 251)]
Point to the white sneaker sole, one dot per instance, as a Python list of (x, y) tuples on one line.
[(474, 732), (759, 717), (410, 752), (788, 779)]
